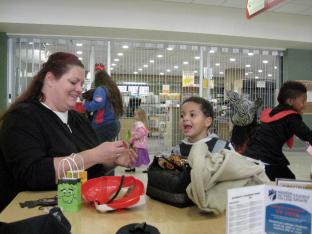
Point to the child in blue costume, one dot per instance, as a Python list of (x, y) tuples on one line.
[(278, 126), (106, 106)]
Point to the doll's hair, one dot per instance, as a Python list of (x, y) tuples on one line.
[(290, 90), (142, 116)]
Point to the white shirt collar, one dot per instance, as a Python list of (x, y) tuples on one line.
[(206, 139), (62, 115)]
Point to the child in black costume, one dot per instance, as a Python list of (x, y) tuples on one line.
[(278, 126)]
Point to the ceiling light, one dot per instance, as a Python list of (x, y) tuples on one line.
[(170, 48), (120, 54), (232, 59), (168, 70), (246, 73), (211, 51), (197, 57), (160, 56), (80, 58), (265, 61), (269, 75), (79, 44), (256, 77), (140, 69), (259, 70), (135, 73), (145, 65), (217, 64), (161, 74), (30, 43), (275, 67), (113, 64), (247, 65), (175, 66), (221, 73), (116, 60), (250, 54), (79, 52), (195, 72), (185, 62), (151, 61), (125, 47)]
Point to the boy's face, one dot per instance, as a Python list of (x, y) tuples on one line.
[(193, 123)]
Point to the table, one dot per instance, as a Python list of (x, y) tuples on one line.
[(166, 218)]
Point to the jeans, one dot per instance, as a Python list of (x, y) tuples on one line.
[(108, 131)]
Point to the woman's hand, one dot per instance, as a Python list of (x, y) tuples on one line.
[(127, 159), (108, 152)]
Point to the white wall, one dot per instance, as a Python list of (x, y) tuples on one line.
[(163, 20)]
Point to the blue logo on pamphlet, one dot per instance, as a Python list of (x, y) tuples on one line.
[(272, 194)]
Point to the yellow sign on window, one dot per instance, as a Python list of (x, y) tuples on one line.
[(188, 78)]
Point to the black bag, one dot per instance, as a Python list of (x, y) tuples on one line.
[(167, 185), (52, 223)]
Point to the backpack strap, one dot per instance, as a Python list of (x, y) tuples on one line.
[(216, 144)]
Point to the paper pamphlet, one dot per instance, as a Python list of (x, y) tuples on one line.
[(269, 209)]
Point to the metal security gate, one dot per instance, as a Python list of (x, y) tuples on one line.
[(157, 77), (251, 72)]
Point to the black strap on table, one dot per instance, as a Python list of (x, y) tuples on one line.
[(40, 202), (118, 191)]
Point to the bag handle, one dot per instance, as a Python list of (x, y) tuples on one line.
[(74, 157), (67, 160)]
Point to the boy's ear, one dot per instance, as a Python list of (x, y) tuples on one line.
[(289, 101), (208, 122)]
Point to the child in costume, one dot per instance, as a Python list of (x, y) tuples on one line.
[(244, 119), (195, 121), (138, 140), (278, 126)]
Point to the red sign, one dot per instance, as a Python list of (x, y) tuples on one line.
[(255, 7)]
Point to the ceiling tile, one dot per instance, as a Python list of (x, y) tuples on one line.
[(179, 1), (209, 2), (305, 2), (307, 11), (291, 8), (235, 3)]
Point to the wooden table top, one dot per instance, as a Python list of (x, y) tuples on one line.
[(166, 218)]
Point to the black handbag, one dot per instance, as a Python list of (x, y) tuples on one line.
[(52, 223), (169, 185)]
